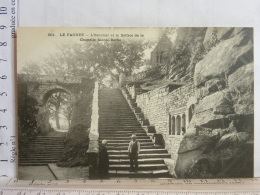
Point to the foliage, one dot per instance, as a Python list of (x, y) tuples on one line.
[(27, 113), (94, 59), (77, 137), (75, 148), (187, 51), (33, 68), (60, 103)]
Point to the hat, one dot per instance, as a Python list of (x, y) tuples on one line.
[(133, 136), (104, 142)]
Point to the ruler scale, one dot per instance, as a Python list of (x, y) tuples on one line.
[(8, 23), (123, 192), (140, 187)]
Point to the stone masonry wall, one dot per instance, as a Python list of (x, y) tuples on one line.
[(158, 105)]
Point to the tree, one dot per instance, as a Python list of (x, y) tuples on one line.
[(32, 68), (94, 59), (60, 103)]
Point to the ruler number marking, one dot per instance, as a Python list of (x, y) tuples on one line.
[(2, 27), (2, 60), (1, 127), (3, 93), (3, 44), (3, 10), (3, 110)]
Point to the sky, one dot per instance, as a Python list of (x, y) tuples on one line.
[(36, 43)]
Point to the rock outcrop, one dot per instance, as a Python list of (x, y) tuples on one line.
[(219, 140)]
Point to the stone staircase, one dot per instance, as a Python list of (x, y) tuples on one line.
[(117, 122), (41, 151)]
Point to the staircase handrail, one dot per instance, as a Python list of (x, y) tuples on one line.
[(143, 74)]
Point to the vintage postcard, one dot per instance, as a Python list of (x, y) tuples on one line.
[(109, 103)]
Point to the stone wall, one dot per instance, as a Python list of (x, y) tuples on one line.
[(160, 105)]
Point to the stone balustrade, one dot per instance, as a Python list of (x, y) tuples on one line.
[(94, 136), (142, 75)]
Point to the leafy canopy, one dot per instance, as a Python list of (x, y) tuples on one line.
[(92, 59)]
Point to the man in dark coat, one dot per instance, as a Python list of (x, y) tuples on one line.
[(103, 160), (133, 151)]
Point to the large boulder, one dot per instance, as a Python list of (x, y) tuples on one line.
[(241, 85), (231, 156), (194, 143), (233, 139), (210, 86), (216, 34), (212, 111), (243, 78), (225, 58)]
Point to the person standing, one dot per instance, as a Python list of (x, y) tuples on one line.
[(133, 151), (103, 160)]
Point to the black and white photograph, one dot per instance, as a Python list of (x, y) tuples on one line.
[(135, 103)]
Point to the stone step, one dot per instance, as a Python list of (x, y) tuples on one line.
[(111, 114), (110, 127), (40, 154), (141, 167), (49, 140), (119, 120), (127, 143), (41, 159), (114, 109), (122, 138), (127, 134), (140, 161), (43, 152), (125, 147), (119, 123), (140, 174), (107, 125), (45, 160), (122, 133), (35, 145), (142, 151), (126, 130), (117, 102), (116, 114), (35, 163), (46, 143), (49, 137), (115, 106), (121, 130), (140, 156), (40, 149)]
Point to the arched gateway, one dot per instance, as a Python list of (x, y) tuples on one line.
[(50, 92)]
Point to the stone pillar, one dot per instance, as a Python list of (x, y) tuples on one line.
[(93, 164), (93, 159)]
